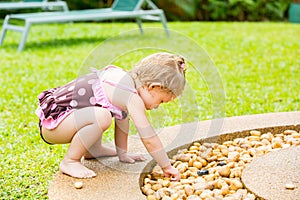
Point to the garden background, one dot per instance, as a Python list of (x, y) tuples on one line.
[(256, 52), (212, 10)]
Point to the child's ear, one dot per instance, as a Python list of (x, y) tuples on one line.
[(153, 85)]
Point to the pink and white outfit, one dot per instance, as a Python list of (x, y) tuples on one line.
[(57, 103)]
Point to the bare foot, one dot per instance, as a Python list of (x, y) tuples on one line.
[(100, 152), (75, 169)]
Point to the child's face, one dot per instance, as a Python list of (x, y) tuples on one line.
[(154, 96)]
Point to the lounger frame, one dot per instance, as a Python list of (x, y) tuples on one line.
[(44, 4), (154, 14)]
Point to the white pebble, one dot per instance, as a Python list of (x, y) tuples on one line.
[(78, 185), (289, 186)]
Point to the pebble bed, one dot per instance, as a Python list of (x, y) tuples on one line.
[(212, 171)]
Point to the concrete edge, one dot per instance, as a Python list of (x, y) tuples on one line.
[(127, 178)]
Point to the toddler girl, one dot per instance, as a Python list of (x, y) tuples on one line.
[(80, 111)]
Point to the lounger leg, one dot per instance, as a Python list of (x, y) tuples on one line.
[(4, 29), (24, 36), (139, 22), (164, 22), (65, 7)]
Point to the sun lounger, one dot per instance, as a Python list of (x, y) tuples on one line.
[(28, 4), (121, 9)]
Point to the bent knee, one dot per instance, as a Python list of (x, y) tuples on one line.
[(103, 117)]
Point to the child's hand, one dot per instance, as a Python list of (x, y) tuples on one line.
[(173, 172), (131, 158)]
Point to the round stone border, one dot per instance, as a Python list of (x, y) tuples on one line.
[(117, 180)]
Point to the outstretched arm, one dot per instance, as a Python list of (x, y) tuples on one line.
[(121, 140), (148, 136)]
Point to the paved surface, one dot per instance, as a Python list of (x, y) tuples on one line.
[(268, 175), (120, 181)]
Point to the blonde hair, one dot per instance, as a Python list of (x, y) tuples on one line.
[(164, 68)]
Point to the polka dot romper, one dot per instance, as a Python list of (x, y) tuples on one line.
[(57, 103)]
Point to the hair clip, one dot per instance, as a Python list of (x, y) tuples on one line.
[(182, 66)]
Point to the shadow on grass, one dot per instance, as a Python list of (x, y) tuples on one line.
[(56, 43), (133, 36)]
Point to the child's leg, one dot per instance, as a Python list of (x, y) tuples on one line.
[(82, 129), (98, 150)]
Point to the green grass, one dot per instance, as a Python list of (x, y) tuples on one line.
[(258, 65)]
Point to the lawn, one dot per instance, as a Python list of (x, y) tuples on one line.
[(257, 65)]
